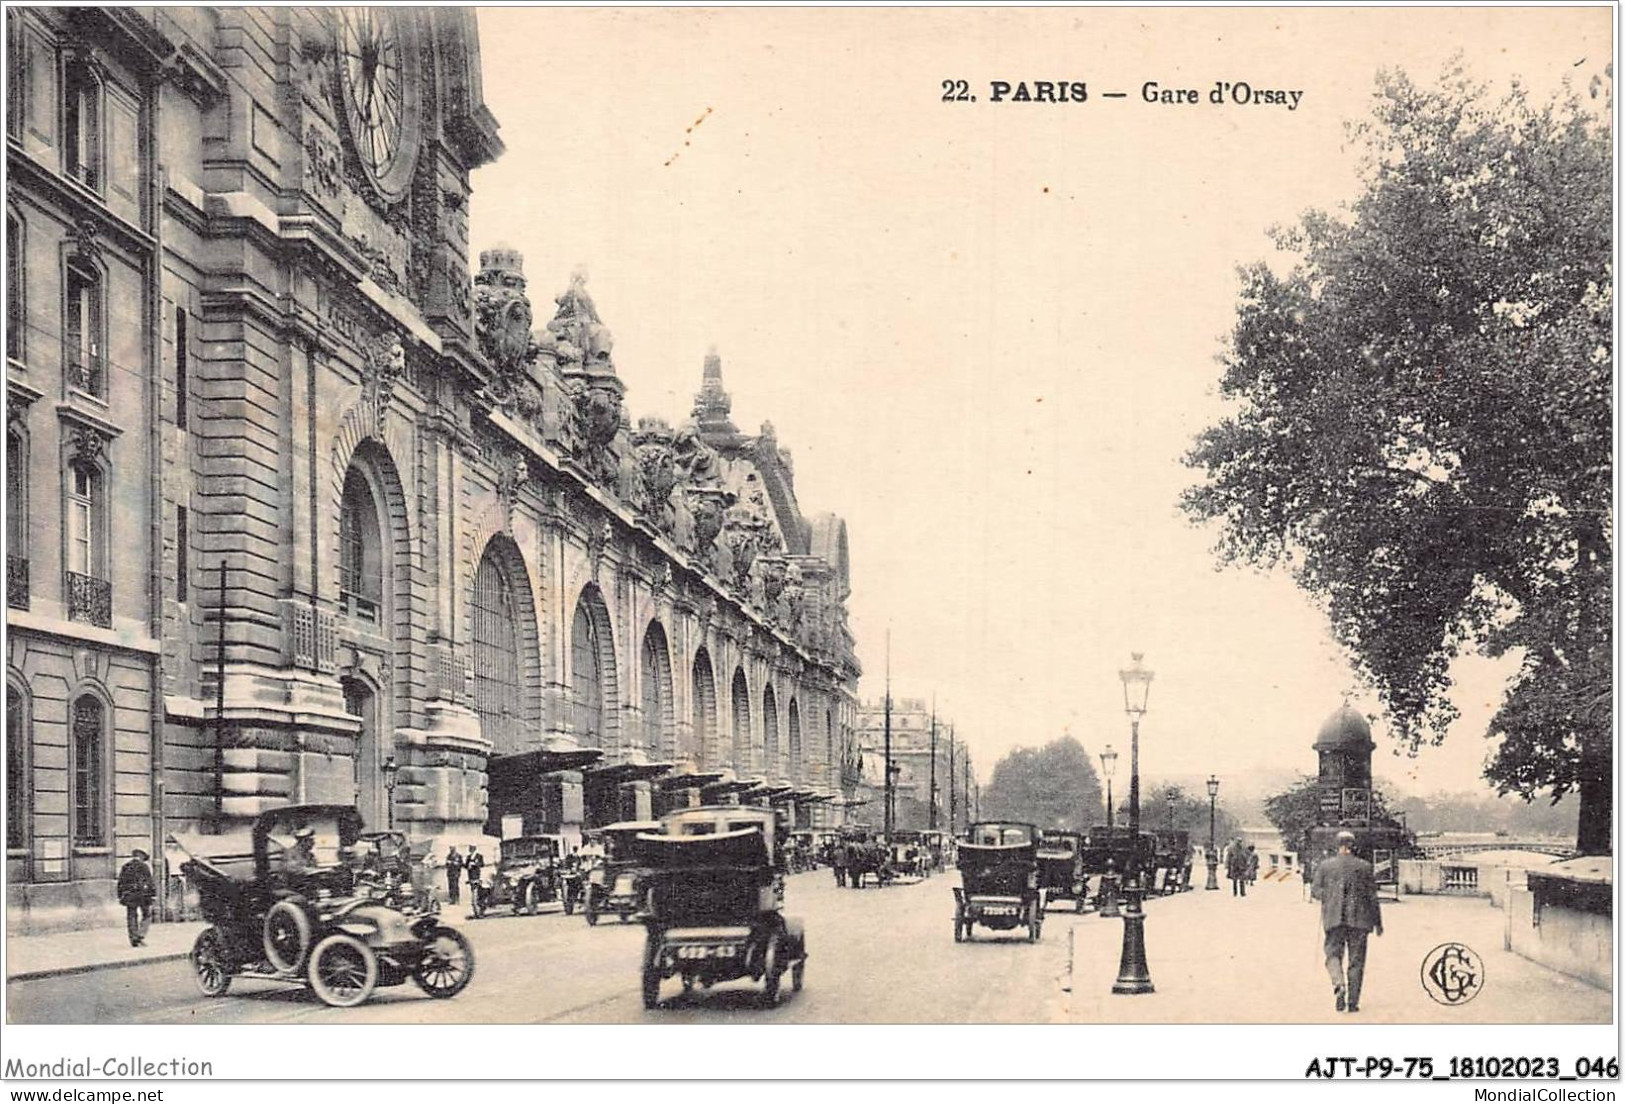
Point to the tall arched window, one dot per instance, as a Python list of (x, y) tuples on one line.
[(361, 559), (90, 596), (795, 742), (16, 515), (586, 676), (82, 118), (655, 682), (741, 719), (16, 309), (704, 701), (498, 692), (89, 772), (18, 801), (770, 734)]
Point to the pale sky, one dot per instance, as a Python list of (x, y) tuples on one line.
[(986, 332)]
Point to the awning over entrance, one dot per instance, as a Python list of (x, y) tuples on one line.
[(616, 773), (509, 774), (687, 781), (736, 785)]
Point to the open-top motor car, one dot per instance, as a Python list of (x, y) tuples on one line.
[(284, 904)]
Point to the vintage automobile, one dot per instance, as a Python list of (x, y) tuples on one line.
[(612, 886), (715, 904), (802, 851), (998, 870), (1060, 867), (525, 876), (936, 849), (283, 904), (1111, 849), (909, 858)]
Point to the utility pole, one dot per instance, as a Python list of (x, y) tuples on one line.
[(933, 824), (890, 812), (953, 791)]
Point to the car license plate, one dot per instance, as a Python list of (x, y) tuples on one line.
[(999, 910), (705, 952)]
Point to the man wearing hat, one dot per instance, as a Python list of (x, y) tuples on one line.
[(136, 892), (1346, 888)]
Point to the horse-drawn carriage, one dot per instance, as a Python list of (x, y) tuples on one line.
[(715, 902), (1060, 867), (867, 854), (998, 869), (284, 903)]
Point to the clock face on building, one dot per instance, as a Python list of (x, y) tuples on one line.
[(379, 93)]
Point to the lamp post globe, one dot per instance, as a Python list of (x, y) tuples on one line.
[(1133, 973), (1212, 853), (389, 769)]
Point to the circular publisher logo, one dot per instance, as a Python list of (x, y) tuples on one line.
[(1452, 973)]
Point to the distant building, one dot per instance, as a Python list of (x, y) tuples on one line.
[(911, 725)]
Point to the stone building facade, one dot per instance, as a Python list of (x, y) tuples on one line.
[(302, 510)]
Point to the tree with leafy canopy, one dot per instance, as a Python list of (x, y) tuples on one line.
[(1054, 786), (1422, 430)]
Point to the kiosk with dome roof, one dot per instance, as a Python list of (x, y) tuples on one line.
[(1344, 745)]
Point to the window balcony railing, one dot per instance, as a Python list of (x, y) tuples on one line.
[(90, 600), (17, 582), (86, 375)]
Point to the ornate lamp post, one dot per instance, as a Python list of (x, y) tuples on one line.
[(1133, 974), (1108, 880), (390, 768), (1212, 852)]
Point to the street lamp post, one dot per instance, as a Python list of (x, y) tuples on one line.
[(390, 768), (1212, 852), (1133, 973), (1108, 879)]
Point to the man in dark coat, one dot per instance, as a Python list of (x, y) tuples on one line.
[(1346, 887), (136, 892), (1235, 868), (474, 865), (454, 874)]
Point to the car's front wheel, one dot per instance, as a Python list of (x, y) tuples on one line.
[(287, 934), (447, 965), (772, 967), (211, 965), (343, 970)]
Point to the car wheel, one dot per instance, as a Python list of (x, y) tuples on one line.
[(590, 909), (651, 971), (772, 968), (211, 967), (959, 930), (796, 972), (343, 970), (569, 904), (447, 964), (532, 899), (287, 934)]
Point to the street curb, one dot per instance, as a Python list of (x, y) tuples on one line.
[(90, 968)]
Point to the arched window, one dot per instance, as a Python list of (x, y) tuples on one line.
[(586, 676), (83, 336), (796, 764), (89, 771), (82, 118), (741, 718), (498, 690), (18, 798), (655, 682), (361, 559), (770, 734), (16, 516), (704, 700)]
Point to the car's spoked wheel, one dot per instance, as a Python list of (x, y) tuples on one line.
[(210, 967), (287, 935), (343, 970), (651, 972), (447, 964), (591, 907), (796, 973)]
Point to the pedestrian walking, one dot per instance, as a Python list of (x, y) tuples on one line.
[(454, 874), (838, 861), (1252, 863), (1346, 887), (136, 892), (1235, 868)]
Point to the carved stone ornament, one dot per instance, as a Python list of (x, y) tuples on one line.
[(502, 317), (87, 245), (598, 537), (598, 420), (656, 471), (576, 337), (383, 366), (86, 446), (697, 463), (513, 475), (323, 172)]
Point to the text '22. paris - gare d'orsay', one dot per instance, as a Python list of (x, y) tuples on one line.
[(463, 583)]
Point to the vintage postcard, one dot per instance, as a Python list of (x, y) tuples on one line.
[(1099, 518)]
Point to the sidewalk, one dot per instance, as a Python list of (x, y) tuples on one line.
[(29, 957)]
